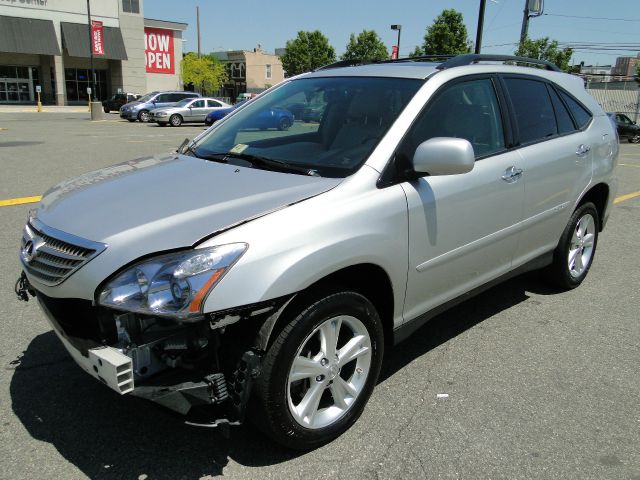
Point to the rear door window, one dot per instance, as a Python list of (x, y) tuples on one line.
[(533, 110), (213, 104)]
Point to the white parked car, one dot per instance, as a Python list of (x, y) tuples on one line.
[(268, 270)]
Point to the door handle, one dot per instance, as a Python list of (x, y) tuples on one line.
[(512, 174), (583, 150)]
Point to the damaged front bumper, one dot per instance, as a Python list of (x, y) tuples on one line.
[(204, 371)]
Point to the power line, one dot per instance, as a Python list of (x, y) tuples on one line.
[(593, 18)]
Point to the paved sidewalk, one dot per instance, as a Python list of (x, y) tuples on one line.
[(45, 109)]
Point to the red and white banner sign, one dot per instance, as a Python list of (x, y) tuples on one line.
[(97, 38), (394, 52), (158, 49)]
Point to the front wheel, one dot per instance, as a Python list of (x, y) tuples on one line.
[(634, 139), (106, 110), (320, 371), (284, 123), (144, 116), (175, 120), (574, 254)]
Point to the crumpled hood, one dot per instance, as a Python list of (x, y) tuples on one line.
[(171, 201)]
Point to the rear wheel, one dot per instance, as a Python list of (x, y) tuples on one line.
[(575, 251), (634, 139), (175, 120), (106, 110), (320, 371)]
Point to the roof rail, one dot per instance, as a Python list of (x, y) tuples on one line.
[(343, 63), (470, 58)]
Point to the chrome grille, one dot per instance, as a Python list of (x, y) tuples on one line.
[(51, 255)]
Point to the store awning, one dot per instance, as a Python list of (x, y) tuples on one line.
[(28, 35), (75, 39)]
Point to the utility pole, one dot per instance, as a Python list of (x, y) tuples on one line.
[(525, 23), (198, 26), (92, 79), (483, 4)]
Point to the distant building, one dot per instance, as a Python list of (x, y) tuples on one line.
[(626, 66), (249, 71), (44, 44), (596, 73)]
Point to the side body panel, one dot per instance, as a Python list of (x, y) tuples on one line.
[(462, 231)]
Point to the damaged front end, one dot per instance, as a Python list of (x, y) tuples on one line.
[(203, 370)]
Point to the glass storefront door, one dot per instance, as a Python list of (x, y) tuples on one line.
[(17, 83)]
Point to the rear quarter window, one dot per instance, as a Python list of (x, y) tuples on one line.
[(581, 115)]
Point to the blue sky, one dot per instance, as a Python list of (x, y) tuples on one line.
[(271, 24)]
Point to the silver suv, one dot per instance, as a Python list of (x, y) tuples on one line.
[(265, 272)]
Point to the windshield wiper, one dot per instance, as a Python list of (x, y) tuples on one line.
[(256, 160)]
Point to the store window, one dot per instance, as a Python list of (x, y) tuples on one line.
[(267, 71), (131, 6), (77, 80)]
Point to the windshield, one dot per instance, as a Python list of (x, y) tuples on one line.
[(147, 97), (183, 103), (324, 126)]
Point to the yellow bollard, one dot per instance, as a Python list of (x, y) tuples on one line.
[(89, 103), (39, 103)]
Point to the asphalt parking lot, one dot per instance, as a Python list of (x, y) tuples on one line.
[(538, 384)]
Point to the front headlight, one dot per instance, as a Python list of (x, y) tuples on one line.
[(174, 285), (161, 114)]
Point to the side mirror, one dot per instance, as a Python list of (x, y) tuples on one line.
[(443, 156)]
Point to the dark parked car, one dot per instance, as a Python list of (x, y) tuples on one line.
[(274, 117), (626, 127), (118, 100)]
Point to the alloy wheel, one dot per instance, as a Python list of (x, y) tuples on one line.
[(329, 371), (581, 247)]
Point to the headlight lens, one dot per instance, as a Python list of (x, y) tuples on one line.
[(174, 285), (161, 114)]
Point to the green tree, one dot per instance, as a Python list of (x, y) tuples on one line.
[(204, 72), (306, 52), (417, 52), (545, 49), (366, 46), (447, 35)]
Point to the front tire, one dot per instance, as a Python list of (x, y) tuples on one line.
[(574, 254), (320, 371), (634, 139), (106, 110), (284, 123), (144, 116), (175, 120)]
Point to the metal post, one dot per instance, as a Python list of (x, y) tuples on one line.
[(483, 4), (399, 30), (525, 23), (198, 26), (92, 78)]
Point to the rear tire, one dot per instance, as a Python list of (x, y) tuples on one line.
[(574, 254), (634, 139), (106, 110), (320, 371)]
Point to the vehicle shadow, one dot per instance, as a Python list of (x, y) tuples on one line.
[(111, 437)]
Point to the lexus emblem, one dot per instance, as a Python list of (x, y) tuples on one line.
[(30, 250)]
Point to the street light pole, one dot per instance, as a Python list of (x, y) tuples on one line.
[(92, 78), (525, 23), (399, 29), (483, 4)]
